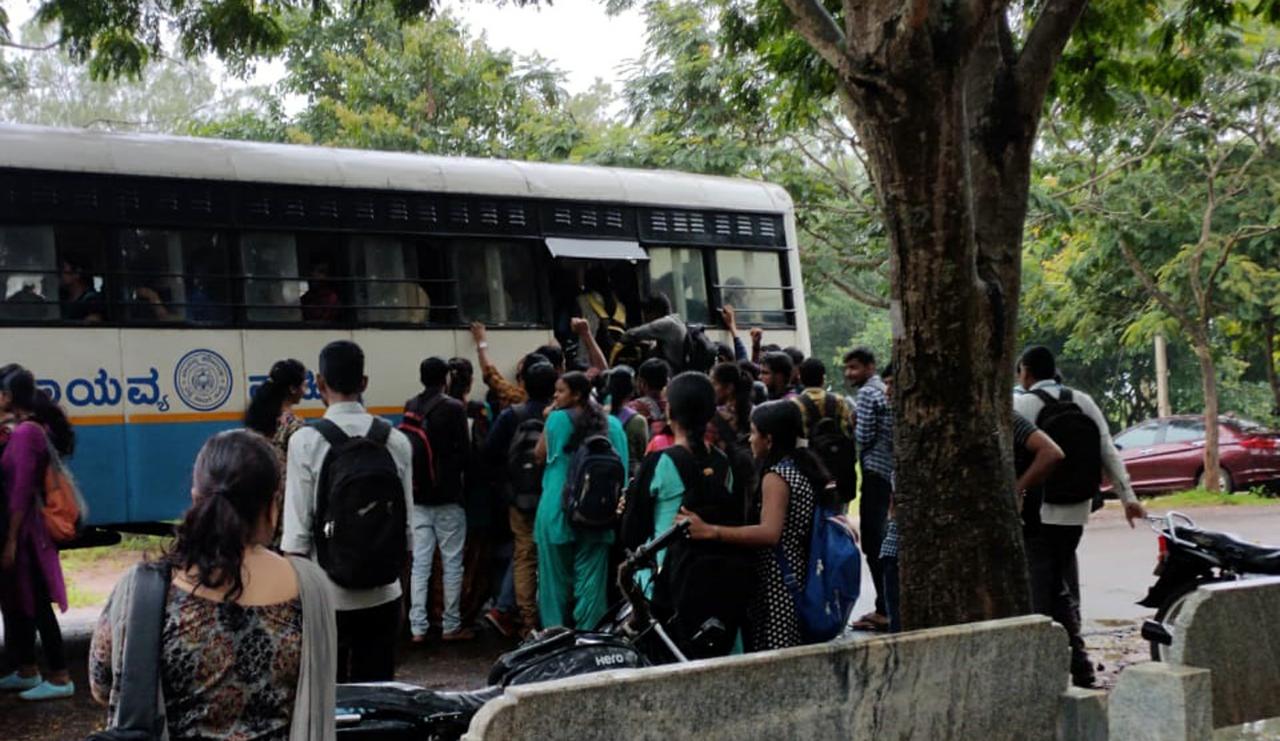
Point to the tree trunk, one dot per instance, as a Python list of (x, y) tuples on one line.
[(1209, 384), (1269, 346), (962, 555)]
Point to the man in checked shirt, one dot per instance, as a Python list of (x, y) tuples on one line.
[(873, 431)]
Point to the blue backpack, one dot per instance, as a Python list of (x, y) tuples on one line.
[(832, 580)]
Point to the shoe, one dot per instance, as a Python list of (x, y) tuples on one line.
[(461, 634), (501, 622), (13, 682), (47, 691)]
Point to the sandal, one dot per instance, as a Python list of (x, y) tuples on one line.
[(873, 622)]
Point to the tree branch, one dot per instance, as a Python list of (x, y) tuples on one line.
[(1040, 55), (859, 295), (1149, 283), (27, 47), (819, 28)]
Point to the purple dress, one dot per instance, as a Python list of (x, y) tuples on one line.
[(23, 467)]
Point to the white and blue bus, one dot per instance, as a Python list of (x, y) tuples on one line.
[(151, 281)]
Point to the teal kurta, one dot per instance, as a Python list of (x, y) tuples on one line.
[(573, 565)]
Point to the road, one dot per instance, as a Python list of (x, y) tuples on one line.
[(1115, 563)]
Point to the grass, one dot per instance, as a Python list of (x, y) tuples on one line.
[(90, 572), (1257, 497)]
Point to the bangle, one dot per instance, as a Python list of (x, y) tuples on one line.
[(483, 344), (717, 532)]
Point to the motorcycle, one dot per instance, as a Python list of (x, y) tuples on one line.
[(628, 637), (1188, 558)]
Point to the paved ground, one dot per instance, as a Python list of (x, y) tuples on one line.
[(1116, 564)]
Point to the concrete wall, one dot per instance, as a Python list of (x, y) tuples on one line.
[(1233, 630), (991, 681)]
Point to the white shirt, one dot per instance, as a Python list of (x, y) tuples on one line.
[(1029, 405), (307, 449)]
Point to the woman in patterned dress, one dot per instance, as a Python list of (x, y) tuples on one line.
[(270, 414), (248, 634), (791, 479)]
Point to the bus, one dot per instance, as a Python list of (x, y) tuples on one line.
[(151, 281)]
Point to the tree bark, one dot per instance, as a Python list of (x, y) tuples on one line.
[(1209, 385)]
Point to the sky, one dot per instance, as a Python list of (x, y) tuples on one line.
[(577, 35)]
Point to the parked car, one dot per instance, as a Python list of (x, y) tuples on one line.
[(1167, 454)]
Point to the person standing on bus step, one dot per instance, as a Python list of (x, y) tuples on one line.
[(270, 414), (572, 562), (663, 326), (30, 571), (248, 638), (368, 617), (438, 517), (873, 420), (511, 450)]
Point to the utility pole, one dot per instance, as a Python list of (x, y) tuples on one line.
[(1163, 408)]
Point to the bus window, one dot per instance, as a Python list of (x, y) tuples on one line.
[(174, 276), (751, 282), (678, 273), (272, 288), (382, 293), (495, 281), (29, 275), (327, 285)]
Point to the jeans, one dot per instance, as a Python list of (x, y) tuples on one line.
[(445, 526), (506, 601), (1055, 585), (367, 643), (873, 513)]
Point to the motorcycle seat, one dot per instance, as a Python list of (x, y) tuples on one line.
[(1242, 555)]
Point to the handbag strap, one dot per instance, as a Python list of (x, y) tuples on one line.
[(140, 678)]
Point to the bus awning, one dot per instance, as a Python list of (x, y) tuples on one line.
[(596, 249)]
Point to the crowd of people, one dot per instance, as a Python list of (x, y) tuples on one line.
[(306, 543)]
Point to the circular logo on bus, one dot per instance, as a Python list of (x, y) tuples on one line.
[(203, 380)]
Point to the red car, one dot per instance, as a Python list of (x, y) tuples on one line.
[(1167, 454)]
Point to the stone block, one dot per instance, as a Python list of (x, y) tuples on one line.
[(1083, 715), (1231, 630), (1161, 702), (994, 680)]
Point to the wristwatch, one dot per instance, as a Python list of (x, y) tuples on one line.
[(483, 345)]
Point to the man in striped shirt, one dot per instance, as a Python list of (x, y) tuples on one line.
[(873, 431)]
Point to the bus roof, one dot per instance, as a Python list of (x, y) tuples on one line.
[(78, 150)]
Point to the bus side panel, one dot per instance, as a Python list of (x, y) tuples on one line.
[(392, 358), (80, 370), (189, 386)]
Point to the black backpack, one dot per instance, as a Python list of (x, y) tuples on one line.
[(637, 512), (594, 485), (704, 587), (1079, 476), (523, 484), (414, 427), (737, 448), (835, 449), (699, 350), (361, 517)]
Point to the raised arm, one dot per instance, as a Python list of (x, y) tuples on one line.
[(582, 328)]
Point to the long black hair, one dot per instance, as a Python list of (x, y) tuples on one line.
[(590, 417), (691, 402), (235, 480), (735, 377), (263, 413), (782, 422), (620, 387), (20, 384)]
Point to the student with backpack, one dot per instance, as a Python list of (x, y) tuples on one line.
[(585, 451), (792, 587), (34, 431), (1075, 423), (828, 425), (510, 450), (435, 424), (730, 428), (619, 390), (348, 492), (696, 582)]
